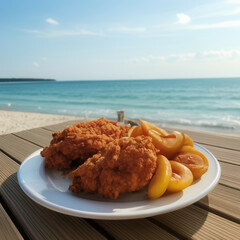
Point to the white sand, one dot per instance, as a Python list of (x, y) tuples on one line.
[(13, 121)]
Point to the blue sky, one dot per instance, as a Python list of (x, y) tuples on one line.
[(133, 39)]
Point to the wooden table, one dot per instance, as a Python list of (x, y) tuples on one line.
[(216, 216)]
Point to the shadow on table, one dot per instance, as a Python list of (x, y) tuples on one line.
[(39, 222), (184, 222)]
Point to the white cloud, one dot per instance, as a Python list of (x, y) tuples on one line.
[(171, 57), (219, 13), (216, 9), (234, 1), (227, 24), (62, 33), (157, 58), (216, 54), (36, 64), (52, 21), (141, 59), (127, 29), (222, 53), (234, 11), (183, 18)]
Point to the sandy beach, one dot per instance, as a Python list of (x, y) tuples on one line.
[(14, 121)]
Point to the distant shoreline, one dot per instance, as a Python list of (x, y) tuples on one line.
[(25, 80), (16, 80)]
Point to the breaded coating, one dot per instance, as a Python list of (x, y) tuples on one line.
[(78, 142), (124, 165)]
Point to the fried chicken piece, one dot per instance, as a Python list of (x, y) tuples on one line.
[(124, 165), (80, 141), (124, 130)]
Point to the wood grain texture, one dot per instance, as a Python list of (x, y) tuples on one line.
[(62, 126), (224, 155), (21, 148), (42, 137), (38, 136), (7, 229), (216, 139), (196, 223), (41, 223), (230, 175), (16, 147), (216, 216), (7, 167), (224, 201), (49, 223), (135, 229)]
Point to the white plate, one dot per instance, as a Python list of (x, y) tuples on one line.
[(50, 189)]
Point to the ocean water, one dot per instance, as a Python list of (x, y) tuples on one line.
[(207, 104)]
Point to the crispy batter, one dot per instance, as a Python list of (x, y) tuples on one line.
[(80, 141), (124, 165)]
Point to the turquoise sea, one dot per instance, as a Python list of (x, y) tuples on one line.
[(208, 104)]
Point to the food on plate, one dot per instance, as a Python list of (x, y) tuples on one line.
[(181, 177), (108, 159), (194, 160), (160, 181), (123, 165), (187, 140), (146, 126), (78, 142), (168, 145), (176, 146), (135, 131)]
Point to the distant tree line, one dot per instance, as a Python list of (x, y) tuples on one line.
[(25, 79)]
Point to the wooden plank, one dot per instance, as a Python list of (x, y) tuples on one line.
[(20, 203), (216, 139), (224, 155), (196, 223), (42, 137), (212, 139), (57, 127), (7, 167), (224, 180), (62, 126), (230, 175), (41, 223), (39, 136), (16, 147), (135, 229), (7, 229), (37, 221), (7, 163), (224, 201)]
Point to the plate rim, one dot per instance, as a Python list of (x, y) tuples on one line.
[(112, 216)]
